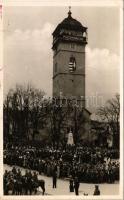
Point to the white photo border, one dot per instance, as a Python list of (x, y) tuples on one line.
[(90, 3)]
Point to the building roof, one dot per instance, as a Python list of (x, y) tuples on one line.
[(69, 23)]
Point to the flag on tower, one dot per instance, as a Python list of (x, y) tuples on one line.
[(72, 66)]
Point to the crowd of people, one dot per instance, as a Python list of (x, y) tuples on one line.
[(18, 184), (89, 164), (15, 183)]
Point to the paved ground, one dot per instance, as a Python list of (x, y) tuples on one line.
[(63, 186)]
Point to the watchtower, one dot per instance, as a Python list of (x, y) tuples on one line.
[(69, 42)]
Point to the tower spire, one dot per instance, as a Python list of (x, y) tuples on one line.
[(69, 12)]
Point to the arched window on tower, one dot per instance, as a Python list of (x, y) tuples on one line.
[(72, 64)]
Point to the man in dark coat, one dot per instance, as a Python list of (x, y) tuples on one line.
[(71, 186), (76, 185), (14, 170), (96, 191), (54, 178)]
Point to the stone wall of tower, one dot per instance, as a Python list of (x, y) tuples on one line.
[(70, 84), (64, 51)]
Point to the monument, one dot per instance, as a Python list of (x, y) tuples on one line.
[(70, 138)]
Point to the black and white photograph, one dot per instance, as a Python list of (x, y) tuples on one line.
[(62, 132)]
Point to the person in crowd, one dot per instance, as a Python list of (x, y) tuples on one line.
[(54, 178), (71, 184), (96, 191), (76, 185), (88, 163), (14, 170)]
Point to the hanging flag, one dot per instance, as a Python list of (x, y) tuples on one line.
[(72, 66)]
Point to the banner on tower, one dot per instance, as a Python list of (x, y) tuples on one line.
[(72, 66)]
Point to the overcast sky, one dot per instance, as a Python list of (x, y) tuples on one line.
[(28, 42)]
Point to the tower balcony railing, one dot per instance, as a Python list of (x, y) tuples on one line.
[(81, 39)]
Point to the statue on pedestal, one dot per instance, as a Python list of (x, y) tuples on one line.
[(70, 138)]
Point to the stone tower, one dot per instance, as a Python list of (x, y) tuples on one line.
[(69, 42)]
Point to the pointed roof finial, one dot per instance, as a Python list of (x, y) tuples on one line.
[(69, 13)]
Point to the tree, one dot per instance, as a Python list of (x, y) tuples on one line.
[(23, 111), (57, 118), (110, 113), (79, 120), (7, 115), (63, 118)]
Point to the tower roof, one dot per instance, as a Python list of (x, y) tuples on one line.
[(69, 23)]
